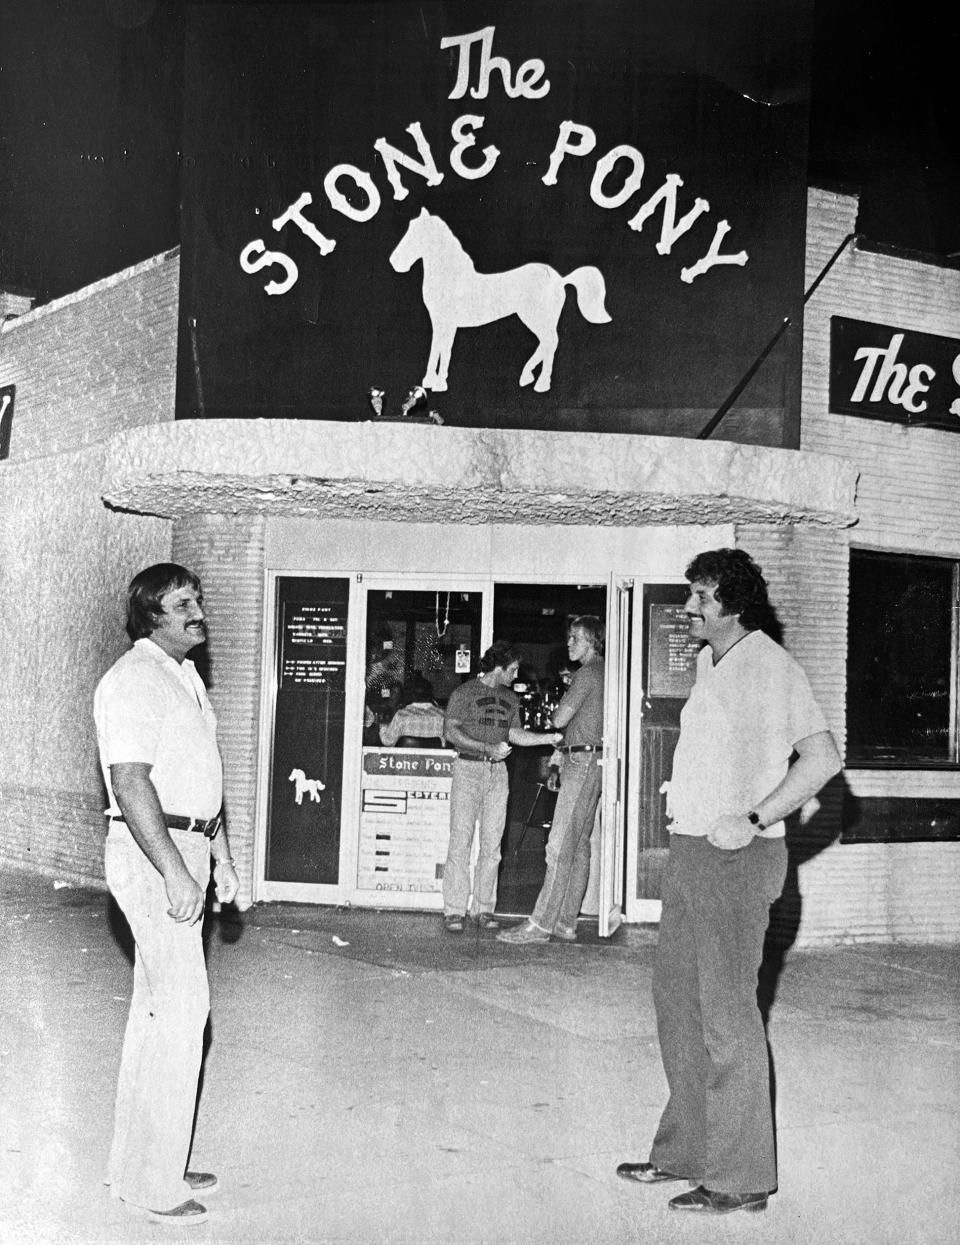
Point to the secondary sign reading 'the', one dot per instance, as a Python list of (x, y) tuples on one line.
[(892, 374)]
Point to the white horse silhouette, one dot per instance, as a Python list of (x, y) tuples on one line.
[(305, 785), (457, 296)]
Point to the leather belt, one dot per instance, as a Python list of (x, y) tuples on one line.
[(467, 756), (208, 828), (581, 748)]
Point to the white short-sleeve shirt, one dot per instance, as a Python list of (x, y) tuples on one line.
[(150, 708), (738, 730)]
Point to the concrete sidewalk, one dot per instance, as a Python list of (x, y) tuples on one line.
[(372, 1079)]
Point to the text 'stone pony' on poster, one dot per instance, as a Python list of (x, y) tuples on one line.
[(515, 152)]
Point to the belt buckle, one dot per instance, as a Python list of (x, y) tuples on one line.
[(211, 827)]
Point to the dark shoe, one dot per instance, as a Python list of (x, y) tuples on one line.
[(718, 1203), (188, 1212), (486, 920), (526, 932), (453, 924), (645, 1173), (201, 1182)]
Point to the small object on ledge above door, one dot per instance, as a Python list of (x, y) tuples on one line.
[(414, 409)]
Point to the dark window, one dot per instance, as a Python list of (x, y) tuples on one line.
[(902, 660)]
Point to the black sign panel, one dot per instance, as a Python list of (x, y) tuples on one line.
[(7, 395), (306, 782), (671, 651), (556, 214), (881, 372)]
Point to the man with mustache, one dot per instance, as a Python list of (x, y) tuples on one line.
[(754, 747), (157, 737)]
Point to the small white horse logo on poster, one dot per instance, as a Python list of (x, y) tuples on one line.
[(306, 786), (457, 296)]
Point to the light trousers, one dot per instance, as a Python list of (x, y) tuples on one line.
[(568, 845), (163, 1044), (478, 804)]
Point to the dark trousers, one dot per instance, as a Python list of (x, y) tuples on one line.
[(718, 1123)]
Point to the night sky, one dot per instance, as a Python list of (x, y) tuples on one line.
[(91, 94)]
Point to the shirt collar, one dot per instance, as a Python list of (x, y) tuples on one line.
[(152, 649)]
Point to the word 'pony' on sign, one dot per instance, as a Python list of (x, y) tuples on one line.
[(573, 139)]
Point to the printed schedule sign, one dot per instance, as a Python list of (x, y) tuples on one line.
[(404, 819), (672, 653), (306, 780), (314, 645)]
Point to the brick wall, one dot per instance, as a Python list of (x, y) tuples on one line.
[(806, 569), (907, 502), (94, 363), (85, 367), (228, 555)]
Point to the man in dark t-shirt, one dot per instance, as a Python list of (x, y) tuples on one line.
[(482, 721)]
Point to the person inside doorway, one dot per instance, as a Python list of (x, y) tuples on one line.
[(419, 716), (482, 723), (580, 716)]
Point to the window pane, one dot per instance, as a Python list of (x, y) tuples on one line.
[(899, 693)]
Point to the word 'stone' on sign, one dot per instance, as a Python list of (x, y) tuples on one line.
[(893, 374), (556, 215)]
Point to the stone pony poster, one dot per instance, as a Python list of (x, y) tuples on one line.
[(582, 214)]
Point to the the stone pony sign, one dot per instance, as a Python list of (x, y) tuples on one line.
[(591, 203)]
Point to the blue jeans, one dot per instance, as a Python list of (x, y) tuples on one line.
[(718, 1123), (163, 1043), (568, 846), (478, 798)]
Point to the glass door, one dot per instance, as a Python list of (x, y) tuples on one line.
[(619, 766), (421, 640), (535, 617), (668, 671)]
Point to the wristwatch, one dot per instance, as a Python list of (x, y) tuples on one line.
[(754, 819)]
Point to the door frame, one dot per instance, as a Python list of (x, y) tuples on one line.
[(623, 707), (345, 890)]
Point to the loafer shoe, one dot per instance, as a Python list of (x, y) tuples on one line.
[(453, 924), (645, 1173), (486, 920), (201, 1182), (186, 1213), (712, 1203), (526, 932), (565, 934)]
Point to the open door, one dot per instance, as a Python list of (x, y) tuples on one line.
[(616, 768)]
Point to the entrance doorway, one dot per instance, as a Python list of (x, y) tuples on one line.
[(353, 808), (535, 617)]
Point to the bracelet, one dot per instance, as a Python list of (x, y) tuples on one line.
[(228, 860)]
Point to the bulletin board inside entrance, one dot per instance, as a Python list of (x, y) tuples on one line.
[(404, 820)]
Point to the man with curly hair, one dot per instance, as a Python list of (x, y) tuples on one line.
[(754, 747)]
